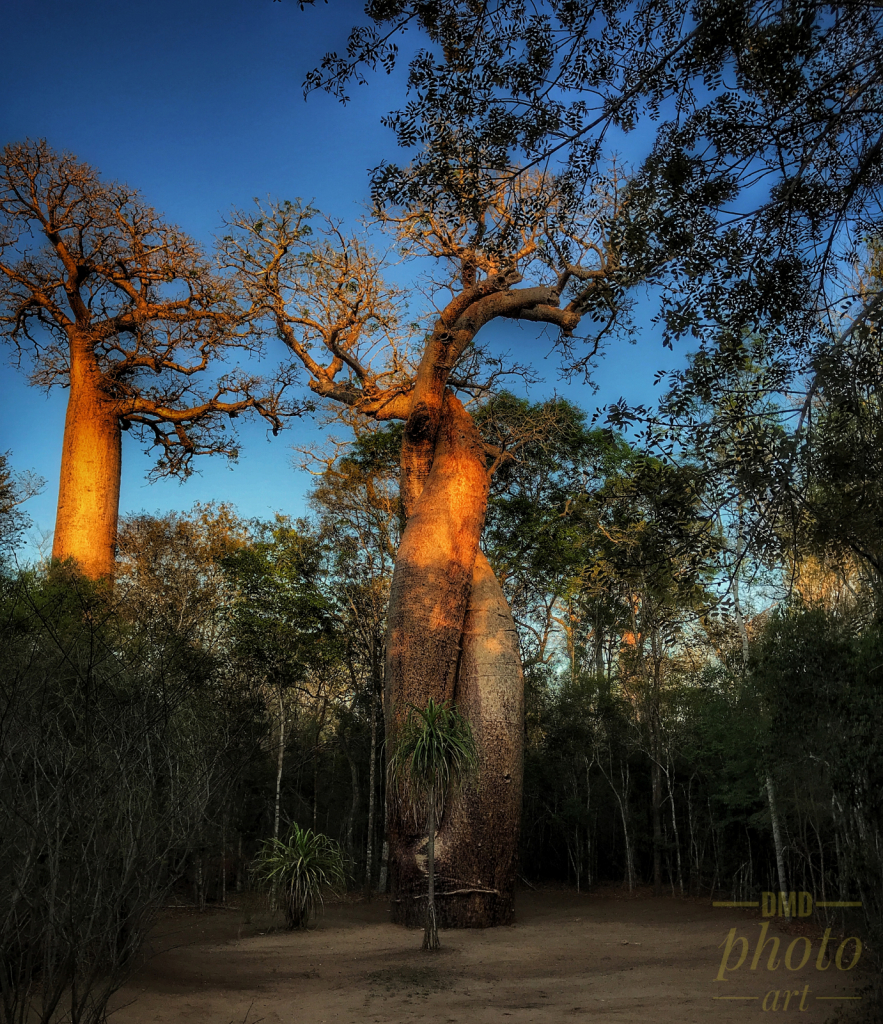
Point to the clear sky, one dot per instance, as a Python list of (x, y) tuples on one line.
[(199, 105)]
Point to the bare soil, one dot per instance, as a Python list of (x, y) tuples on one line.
[(607, 956)]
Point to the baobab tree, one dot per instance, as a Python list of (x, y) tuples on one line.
[(507, 247), (99, 295)]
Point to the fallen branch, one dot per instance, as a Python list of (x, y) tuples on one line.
[(452, 892)]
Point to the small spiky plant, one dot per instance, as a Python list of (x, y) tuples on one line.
[(433, 750), (297, 869)]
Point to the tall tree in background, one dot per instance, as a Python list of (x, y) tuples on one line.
[(282, 631), (512, 250), (654, 544), (101, 296), (793, 462), (549, 460)]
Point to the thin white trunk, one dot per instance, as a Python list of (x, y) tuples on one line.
[(623, 810), (279, 760), (777, 841), (372, 783), (384, 862), (674, 825)]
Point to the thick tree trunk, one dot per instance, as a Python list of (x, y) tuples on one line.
[(477, 845), (452, 637), (433, 571), (91, 462)]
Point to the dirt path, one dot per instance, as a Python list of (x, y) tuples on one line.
[(568, 957)]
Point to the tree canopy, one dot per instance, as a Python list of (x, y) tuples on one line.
[(87, 265)]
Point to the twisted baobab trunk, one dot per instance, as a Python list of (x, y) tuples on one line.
[(451, 637)]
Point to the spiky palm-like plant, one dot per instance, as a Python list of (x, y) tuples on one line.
[(433, 750), (298, 868)]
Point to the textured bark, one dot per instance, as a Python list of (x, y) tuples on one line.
[(433, 571), (452, 637), (478, 842), (91, 463)]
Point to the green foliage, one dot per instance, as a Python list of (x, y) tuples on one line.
[(549, 460), (378, 451), (169, 568), (649, 529), (297, 869), (819, 677), (841, 465), (432, 749), (282, 622), (768, 109), (115, 749)]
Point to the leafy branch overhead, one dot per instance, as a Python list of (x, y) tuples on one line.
[(766, 124)]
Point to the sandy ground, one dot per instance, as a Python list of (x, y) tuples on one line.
[(603, 956)]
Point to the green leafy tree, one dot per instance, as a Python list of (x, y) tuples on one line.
[(171, 567), (548, 459), (111, 764), (357, 501), (816, 677), (769, 110), (656, 548), (282, 631), (840, 471)]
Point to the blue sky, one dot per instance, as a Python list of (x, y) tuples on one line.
[(200, 107)]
